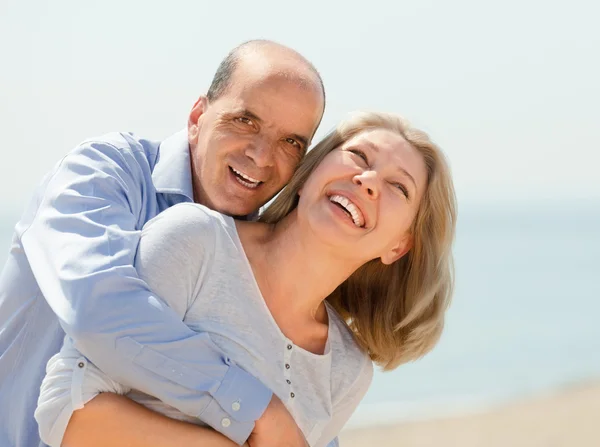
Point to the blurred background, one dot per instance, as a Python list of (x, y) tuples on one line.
[(509, 89)]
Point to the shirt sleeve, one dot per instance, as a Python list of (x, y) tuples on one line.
[(343, 409), (81, 243), (71, 381)]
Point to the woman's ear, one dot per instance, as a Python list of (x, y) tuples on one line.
[(399, 250)]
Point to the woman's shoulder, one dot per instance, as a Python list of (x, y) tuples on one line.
[(350, 362), (189, 219), (185, 236), (193, 214), (342, 336), (177, 252)]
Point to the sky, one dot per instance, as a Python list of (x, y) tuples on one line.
[(508, 89)]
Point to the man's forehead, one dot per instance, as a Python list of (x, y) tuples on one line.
[(281, 81), (275, 107), (282, 72), (262, 64)]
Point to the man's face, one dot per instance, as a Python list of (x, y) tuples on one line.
[(246, 144)]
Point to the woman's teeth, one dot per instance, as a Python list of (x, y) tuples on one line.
[(350, 208), (245, 180)]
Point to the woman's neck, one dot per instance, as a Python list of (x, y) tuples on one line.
[(294, 269)]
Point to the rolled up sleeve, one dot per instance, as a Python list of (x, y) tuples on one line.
[(71, 381), (81, 244)]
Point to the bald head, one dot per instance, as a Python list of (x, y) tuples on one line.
[(266, 59), (253, 127)]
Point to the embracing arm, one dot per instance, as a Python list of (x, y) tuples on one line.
[(135, 426), (81, 241)]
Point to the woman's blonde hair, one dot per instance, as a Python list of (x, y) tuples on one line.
[(395, 311)]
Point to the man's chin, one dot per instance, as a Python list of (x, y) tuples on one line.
[(238, 210)]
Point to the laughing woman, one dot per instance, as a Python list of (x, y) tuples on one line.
[(351, 265)]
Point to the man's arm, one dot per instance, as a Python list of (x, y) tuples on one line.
[(81, 244)]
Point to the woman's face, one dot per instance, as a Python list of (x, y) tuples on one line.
[(363, 197)]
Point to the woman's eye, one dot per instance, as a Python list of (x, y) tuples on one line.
[(360, 153), (402, 188)]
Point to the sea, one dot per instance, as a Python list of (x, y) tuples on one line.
[(524, 320)]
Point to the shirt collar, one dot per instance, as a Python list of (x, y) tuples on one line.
[(173, 173)]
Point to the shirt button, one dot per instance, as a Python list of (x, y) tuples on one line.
[(225, 422), (80, 364), (236, 406), (288, 381), (289, 346), (292, 395), (287, 366)]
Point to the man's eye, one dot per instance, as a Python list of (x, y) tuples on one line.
[(244, 120), (293, 143), (360, 153)]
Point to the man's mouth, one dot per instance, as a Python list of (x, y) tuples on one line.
[(349, 208), (245, 179)]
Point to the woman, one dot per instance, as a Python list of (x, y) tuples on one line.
[(351, 264)]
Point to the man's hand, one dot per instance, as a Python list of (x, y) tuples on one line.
[(276, 428)]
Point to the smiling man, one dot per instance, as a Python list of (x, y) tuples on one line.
[(247, 138), (70, 268)]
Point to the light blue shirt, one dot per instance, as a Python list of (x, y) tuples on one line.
[(70, 270)]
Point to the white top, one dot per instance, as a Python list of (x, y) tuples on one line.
[(193, 259)]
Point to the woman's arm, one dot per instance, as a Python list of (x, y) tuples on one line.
[(114, 420)]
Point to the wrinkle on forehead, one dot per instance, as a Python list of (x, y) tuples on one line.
[(276, 77), (286, 115)]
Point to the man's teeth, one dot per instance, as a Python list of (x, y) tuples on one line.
[(351, 208), (246, 180)]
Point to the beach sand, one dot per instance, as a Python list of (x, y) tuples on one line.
[(566, 418)]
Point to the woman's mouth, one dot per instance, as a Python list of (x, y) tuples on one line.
[(349, 208)]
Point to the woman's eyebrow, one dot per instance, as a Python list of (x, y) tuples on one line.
[(400, 169), (407, 174)]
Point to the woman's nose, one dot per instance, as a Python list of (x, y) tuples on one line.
[(367, 181)]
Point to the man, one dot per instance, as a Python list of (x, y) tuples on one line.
[(70, 265)]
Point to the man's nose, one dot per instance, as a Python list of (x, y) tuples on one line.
[(262, 153), (368, 182)]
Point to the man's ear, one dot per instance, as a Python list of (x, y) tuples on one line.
[(194, 117), (399, 250)]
